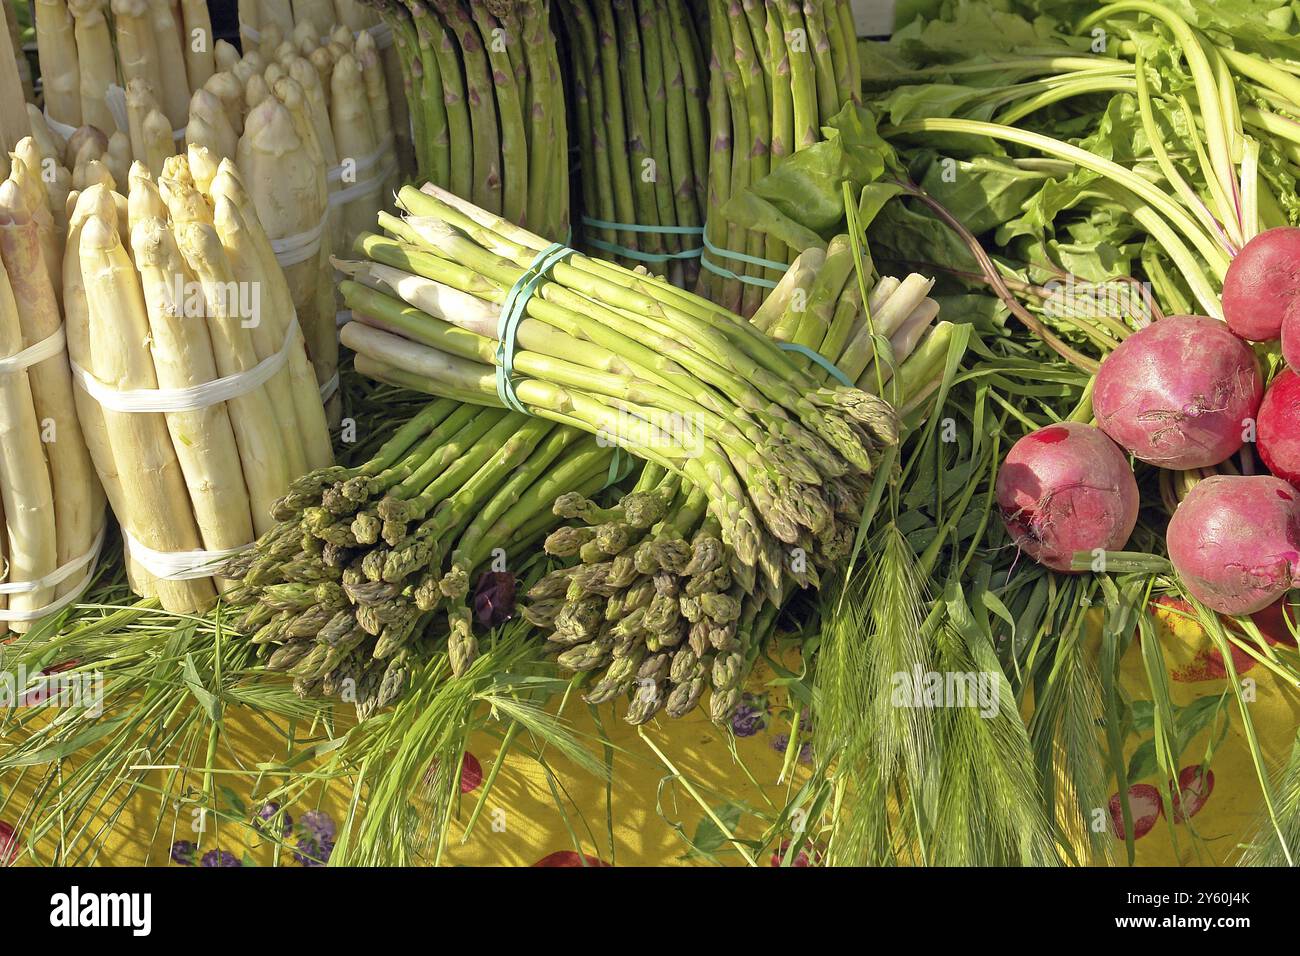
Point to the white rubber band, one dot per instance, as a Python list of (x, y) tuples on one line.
[(253, 34), (301, 246), (46, 348), (329, 388), (179, 565), (356, 191), (54, 579), (63, 129), (150, 400), (381, 152)]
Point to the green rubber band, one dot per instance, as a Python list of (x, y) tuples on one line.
[(818, 358), (512, 312)]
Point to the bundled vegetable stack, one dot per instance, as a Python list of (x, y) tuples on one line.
[(304, 122), (669, 376), (640, 110), (51, 502), (85, 54), (652, 599), (264, 24), (370, 564), (199, 401), (780, 70), (487, 105)]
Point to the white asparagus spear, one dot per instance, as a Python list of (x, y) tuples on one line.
[(197, 41), (353, 15), (250, 19), (318, 13), (208, 125), (118, 156), (356, 141), (158, 141), (50, 143), (28, 171), (95, 62), (250, 251), (256, 90), (175, 91), (25, 490), (227, 88), (78, 498), (140, 100), (225, 55), (56, 48), (155, 505), (137, 49)]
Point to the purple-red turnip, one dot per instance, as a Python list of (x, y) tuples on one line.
[(1277, 433), (1066, 488), (1178, 393), (1235, 541), (1261, 283)]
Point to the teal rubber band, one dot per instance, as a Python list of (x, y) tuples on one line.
[(512, 312), (741, 257), (637, 227), (819, 359), (643, 256)]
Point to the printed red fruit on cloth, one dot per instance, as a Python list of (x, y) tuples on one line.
[(1144, 806), (569, 858), (1195, 784), (471, 773), (8, 844), (1277, 432), (1179, 392), (1189, 651), (1066, 488), (1235, 541), (1262, 282)]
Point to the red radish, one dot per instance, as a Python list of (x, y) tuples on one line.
[(1195, 784), (8, 844), (1235, 541), (1066, 488), (1278, 427), (1143, 805), (1261, 283), (1178, 393)]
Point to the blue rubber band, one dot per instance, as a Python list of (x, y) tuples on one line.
[(740, 257), (819, 359), (512, 312)]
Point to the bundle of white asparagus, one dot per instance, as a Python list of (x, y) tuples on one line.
[(306, 124), (264, 24), (168, 290), (53, 506), (89, 47)]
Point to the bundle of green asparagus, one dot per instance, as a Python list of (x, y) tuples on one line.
[(198, 402), (51, 503), (265, 24), (780, 70), (652, 604), (487, 104), (369, 564), (781, 459), (639, 81)]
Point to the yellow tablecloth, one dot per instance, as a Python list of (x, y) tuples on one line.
[(525, 824)]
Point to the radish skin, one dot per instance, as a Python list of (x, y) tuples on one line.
[(1278, 427), (1066, 488), (1235, 541), (1178, 393), (1261, 284)]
